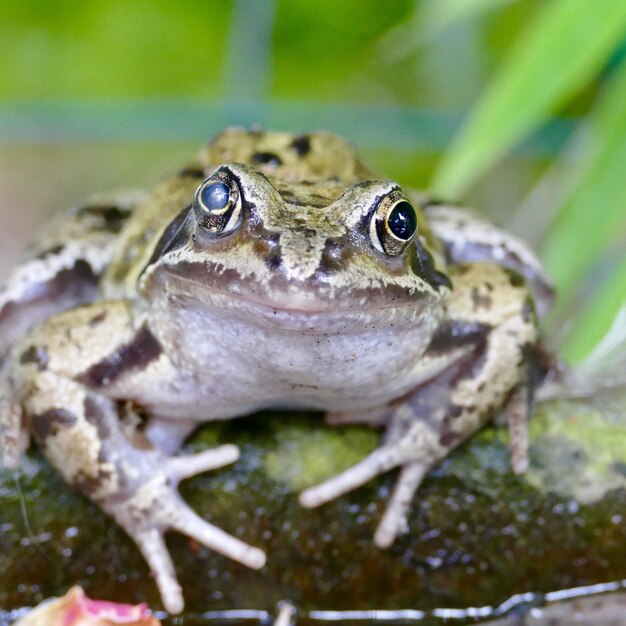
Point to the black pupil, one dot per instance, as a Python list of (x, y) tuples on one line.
[(402, 221), (215, 196)]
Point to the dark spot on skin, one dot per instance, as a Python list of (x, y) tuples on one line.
[(141, 351), (479, 300), (265, 244), (192, 172), (51, 422), (528, 311), (515, 278), (301, 144), (455, 334), (90, 484), (448, 439), (96, 417), (290, 197), (462, 269), (97, 319), (334, 257), (52, 251), (266, 158), (37, 355), (273, 261), (455, 410), (113, 217), (423, 265)]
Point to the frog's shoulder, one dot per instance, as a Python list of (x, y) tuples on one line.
[(64, 265), (465, 236)]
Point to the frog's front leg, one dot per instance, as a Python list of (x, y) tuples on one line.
[(468, 237), (482, 351), (70, 397)]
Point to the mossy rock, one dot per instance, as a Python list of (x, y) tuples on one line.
[(477, 533)]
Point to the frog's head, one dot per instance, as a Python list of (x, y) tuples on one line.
[(286, 245)]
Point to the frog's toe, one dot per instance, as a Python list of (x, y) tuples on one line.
[(408, 446), (158, 508), (393, 522), (152, 545), (184, 520), (148, 505), (378, 462), (192, 525), (186, 466)]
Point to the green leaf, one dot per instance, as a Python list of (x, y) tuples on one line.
[(559, 52), (596, 211)]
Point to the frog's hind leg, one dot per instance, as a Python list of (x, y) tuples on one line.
[(81, 432), (484, 348), (137, 487), (63, 266)]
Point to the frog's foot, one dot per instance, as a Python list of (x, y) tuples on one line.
[(416, 449), (155, 507)]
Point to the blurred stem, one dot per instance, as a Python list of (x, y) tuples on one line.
[(562, 49)]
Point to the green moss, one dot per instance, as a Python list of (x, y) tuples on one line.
[(578, 450), (303, 457)]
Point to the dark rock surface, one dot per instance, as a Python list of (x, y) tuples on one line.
[(477, 535)]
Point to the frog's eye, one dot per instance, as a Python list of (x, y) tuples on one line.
[(393, 224), (217, 205)]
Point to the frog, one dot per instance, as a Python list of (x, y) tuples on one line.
[(274, 271)]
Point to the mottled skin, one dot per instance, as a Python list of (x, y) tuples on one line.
[(144, 322)]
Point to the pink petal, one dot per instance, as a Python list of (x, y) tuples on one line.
[(76, 609)]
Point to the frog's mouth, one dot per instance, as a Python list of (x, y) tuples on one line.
[(315, 307)]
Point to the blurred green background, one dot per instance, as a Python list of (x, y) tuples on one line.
[(513, 106)]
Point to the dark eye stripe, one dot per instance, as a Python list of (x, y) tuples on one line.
[(173, 237)]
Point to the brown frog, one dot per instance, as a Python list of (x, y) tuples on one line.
[(274, 271)]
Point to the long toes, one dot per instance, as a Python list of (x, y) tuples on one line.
[(154, 550), (394, 519), (191, 524), (378, 462), (181, 467)]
